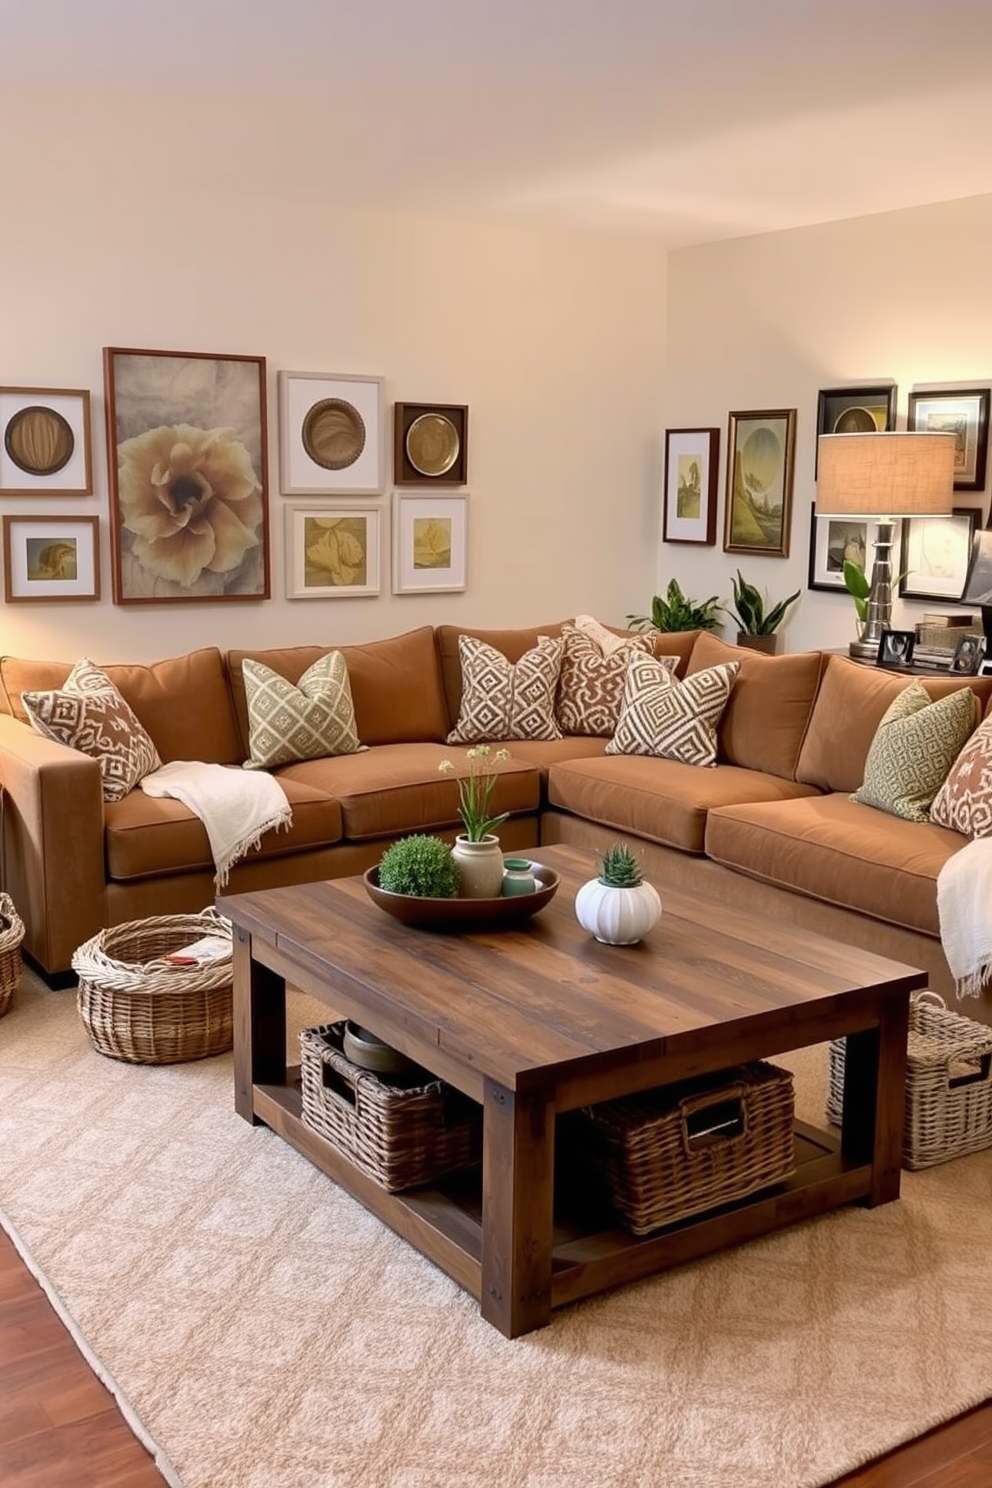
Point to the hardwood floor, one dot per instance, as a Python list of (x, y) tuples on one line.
[(60, 1428)]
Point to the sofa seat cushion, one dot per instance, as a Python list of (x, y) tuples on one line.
[(660, 799), (147, 836), (840, 852), (394, 789)]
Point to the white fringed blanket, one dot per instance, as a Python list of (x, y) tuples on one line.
[(964, 907), (235, 806)]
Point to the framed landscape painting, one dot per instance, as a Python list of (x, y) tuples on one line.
[(691, 457), (760, 459), (965, 414)]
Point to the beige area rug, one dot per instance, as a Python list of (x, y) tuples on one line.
[(263, 1331)]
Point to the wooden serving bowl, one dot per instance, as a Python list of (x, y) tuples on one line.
[(464, 914)]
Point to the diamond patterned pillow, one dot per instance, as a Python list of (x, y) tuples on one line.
[(310, 720), (507, 700), (915, 745), (89, 714), (672, 719), (590, 687), (964, 801)]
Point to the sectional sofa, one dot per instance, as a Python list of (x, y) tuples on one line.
[(771, 828)]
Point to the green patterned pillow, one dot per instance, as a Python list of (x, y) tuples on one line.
[(915, 745), (309, 721)]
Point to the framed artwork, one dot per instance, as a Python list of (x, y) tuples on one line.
[(836, 540), (965, 414), (934, 554), (187, 455), (332, 552), (45, 449), (691, 458), (855, 410), (330, 434), (430, 543), (895, 649), (430, 444), (47, 559), (968, 654), (760, 459)]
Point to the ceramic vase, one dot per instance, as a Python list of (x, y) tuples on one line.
[(617, 916), (480, 867)]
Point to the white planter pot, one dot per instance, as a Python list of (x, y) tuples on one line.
[(617, 916), (480, 867)]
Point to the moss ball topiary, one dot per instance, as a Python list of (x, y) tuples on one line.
[(419, 865)]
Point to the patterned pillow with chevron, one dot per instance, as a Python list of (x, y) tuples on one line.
[(590, 687), (89, 714), (964, 801), (915, 745), (674, 720), (507, 700), (310, 720)]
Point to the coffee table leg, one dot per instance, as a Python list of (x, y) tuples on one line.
[(874, 1098), (259, 1027), (517, 1203)]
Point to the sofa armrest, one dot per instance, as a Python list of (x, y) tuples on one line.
[(53, 828)]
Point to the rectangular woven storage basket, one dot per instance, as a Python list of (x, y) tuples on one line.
[(400, 1135), (948, 1104), (682, 1149)]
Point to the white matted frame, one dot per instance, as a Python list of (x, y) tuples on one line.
[(45, 442), (690, 495), (51, 559), (332, 552), (330, 434), (430, 542)]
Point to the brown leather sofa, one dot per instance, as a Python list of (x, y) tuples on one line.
[(770, 830)]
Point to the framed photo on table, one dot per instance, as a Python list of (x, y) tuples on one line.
[(934, 554), (51, 559), (965, 414), (690, 495), (760, 457)]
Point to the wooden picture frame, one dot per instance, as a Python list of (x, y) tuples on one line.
[(934, 554), (965, 414), (430, 444), (330, 434), (203, 534), (45, 442), (430, 543), (332, 552), (854, 410), (895, 649), (51, 560), (690, 491), (760, 464), (832, 539)]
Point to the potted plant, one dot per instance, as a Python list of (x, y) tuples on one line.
[(677, 612), (419, 865), (757, 624), (618, 907), (477, 852), (858, 587)]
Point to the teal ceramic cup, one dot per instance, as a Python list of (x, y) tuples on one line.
[(518, 876)]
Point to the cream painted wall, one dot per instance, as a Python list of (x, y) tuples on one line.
[(765, 322), (555, 341)]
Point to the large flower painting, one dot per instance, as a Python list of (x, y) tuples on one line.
[(187, 452)]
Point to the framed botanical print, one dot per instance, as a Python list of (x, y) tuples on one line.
[(332, 552), (691, 457), (46, 559), (965, 414), (760, 460), (45, 442), (855, 410), (935, 553), (430, 542), (330, 434)]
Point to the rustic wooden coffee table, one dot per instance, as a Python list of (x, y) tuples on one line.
[(539, 1020)]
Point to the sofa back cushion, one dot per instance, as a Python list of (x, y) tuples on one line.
[(765, 721)]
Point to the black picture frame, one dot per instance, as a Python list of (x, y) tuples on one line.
[(689, 498), (895, 649), (828, 537), (870, 408), (968, 654), (963, 412), (935, 553)]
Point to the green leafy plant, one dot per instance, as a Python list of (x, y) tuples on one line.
[(677, 612), (619, 869), (857, 585), (419, 865), (475, 790), (749, 608)]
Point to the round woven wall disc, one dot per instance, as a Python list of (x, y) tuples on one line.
[(333, 434), (432, 444), (39, 440)]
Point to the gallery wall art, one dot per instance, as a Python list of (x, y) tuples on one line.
[(330, 434), (45, 443)]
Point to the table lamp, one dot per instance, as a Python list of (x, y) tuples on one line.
[(883, 477)]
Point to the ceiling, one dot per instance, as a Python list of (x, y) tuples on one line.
[(691, 121)]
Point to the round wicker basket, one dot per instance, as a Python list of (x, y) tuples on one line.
[(11, 961), (137, 1007)]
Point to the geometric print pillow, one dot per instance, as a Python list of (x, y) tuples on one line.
[(90, 715), (507, 700), (590, 687), (964, 801), (675, 720), (915, 745), (311, 720)]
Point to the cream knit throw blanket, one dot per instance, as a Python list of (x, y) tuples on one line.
[(964, 908), (235, 806)]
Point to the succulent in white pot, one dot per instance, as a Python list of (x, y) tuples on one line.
[(618, 907)]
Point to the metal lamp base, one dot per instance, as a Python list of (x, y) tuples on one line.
[(864, 650)]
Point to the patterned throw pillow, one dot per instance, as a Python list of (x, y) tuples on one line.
[(89, 714), (675, 720), (964, 801), (590, 687), (310, 720), (915, 745), (507, 700)]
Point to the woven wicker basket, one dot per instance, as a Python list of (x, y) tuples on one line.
[(400, 1135), (948, 1106), (11, 961), (683, 1149), (137, 1008)]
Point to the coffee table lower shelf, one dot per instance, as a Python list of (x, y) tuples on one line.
[(590, 1254)]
